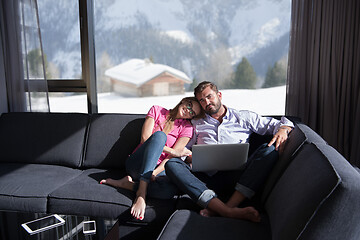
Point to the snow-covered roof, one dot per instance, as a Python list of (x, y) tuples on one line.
[(140, 71)]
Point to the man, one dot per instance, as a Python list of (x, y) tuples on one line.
[(226, 125)]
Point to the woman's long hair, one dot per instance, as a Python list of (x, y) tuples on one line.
[(173, 112), (169, 123)]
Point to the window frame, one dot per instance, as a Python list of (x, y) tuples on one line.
[(88, 81), (88, 60)]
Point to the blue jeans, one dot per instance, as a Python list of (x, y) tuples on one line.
[(199, 186), (141, 164)]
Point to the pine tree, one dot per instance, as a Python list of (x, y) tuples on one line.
[(245, 76), (275, 76), (193, 85), (103, 82), (36, 64)]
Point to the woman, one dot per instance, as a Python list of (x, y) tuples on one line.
[(164, 135)]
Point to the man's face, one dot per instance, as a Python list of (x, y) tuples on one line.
[(210, 100)]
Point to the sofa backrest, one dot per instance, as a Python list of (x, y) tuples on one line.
[(45, 138), (111, 138), (338, 217), (318, 191), (300, 135)]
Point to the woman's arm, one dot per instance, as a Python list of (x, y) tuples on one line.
[(159, 169), (147, 129), (178, 150)]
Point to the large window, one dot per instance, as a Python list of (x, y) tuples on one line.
[(154, 52), (60, 30), (59, 22)]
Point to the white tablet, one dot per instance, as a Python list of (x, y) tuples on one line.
[(43, 224), (89, 227)]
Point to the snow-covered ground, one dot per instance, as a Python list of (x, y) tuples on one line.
[(269, 101)]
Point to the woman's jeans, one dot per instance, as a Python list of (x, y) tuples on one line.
[(247, 180), (141, 164)]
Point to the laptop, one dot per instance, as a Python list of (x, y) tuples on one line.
[(219, 157)]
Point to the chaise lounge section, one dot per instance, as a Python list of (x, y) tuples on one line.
[(53, 163)]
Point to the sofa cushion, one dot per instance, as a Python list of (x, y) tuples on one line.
[(112, 137), (298, 136), (186, 224), (85, 196), (45, 138), (296, 139), (25, 187), (306, 184), (338, 216)]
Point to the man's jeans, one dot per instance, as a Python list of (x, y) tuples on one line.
[(141, 164), (247, 181)]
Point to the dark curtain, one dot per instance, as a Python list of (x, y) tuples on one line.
[(3, 96), (24, 85), (11, 56), (33, 57), (324, 71)]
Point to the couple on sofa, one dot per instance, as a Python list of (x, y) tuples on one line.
[(165, 135)]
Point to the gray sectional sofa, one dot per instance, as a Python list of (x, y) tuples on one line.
[(53, 162)]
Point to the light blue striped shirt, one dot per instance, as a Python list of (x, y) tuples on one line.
[(236, 127)]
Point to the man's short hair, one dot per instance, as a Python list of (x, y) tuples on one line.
[(204, 85)]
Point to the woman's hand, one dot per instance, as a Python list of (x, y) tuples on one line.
[(188, 161), (153, 178), (181, 153), (179, 149)]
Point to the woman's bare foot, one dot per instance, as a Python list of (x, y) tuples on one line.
[(125, 182), (138, 208)]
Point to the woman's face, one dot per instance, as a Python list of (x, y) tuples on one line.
[(188, 109)]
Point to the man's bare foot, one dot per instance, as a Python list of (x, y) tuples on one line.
[(208, 213), (125, 182), (247, 213), (138, 208)]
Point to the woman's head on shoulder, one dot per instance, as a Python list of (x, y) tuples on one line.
[(187, 108)]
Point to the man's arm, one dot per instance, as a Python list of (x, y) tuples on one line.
[(280, 137), (267, 125)]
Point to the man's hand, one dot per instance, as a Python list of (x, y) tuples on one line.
[(280, 137)]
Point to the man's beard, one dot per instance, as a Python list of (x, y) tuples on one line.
[(214, 110)]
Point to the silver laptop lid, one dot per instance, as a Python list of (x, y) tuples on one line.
[(219, 157)]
